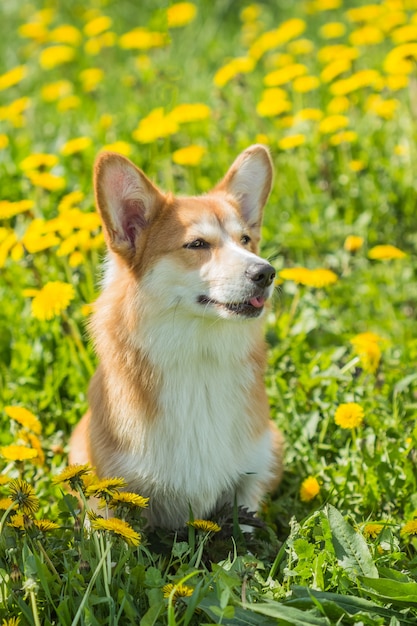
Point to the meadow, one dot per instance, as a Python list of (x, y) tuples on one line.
[(181, 89)]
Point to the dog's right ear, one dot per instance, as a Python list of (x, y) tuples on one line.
[(126, 200)]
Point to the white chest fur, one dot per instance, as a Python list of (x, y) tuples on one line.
[(201, 448)]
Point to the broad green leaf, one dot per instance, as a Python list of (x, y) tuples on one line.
[(350, 547), (394, 591), (303, 598)]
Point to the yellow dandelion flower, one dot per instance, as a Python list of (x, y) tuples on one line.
[(359, 80), (323, 5), (356, 165), (126, 498), (36, 242), (332, 123), (98, 25), (6, 503), (321, 277), (334, 69), (205, 525), (410, 528), (309, 114), (338, 105), (395, 82), (94, 45), (404, 34), (54, 91), (143, 39), (386, 253), (4, 479), (298, 275), (4, 141), (68, 103), (190, 113), (371, 530), (72, 474), (154, 126), (10, 209), (35, 31), (250, 13), (332, 30), (281, 59), (65, 33), (385, 108), (317, 278), (7, 242), (284, 75), (15, 452), (79, 144), (13, 77), (367, 13), (38, 160), (56, 55), (91, 78), (23, 494), (121, 147), (177, 591), (274, 102), (69, 200), (34, 442), (401, 150), (349, 415), (87, 309), (14, 111), (45, 525), (76, 259), (180, 14), (304, 84), (366, 36), (327, 54), (366, 346), (309, 489), (105, 487), (19, 521), (191, 155), (118, 527), (24, 417), (301, 47), (52, 300), (353, 243), (277, 37), (240, 65), (46, 180), (345, 136), (292, 141)]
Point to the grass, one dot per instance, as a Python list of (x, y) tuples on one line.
[(339, 548)]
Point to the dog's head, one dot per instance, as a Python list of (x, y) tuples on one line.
[(197, 255)]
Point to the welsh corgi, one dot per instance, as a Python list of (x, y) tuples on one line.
[(178, 405)]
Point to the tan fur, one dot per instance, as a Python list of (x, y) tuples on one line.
[(143, 228)]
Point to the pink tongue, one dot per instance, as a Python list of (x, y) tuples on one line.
[(257, 302)]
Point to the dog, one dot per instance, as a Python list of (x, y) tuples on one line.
[(177, 405)]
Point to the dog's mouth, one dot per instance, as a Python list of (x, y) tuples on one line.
[(249, 308)]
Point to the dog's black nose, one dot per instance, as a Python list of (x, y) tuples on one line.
[(261, 273)]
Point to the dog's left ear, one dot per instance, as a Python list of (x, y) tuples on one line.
[(249, 181)]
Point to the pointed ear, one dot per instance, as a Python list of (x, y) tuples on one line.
[(249, 181), (126, 200)]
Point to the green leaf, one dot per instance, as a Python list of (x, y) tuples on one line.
[(303, 598), (394, 591), (287, 614), (350, 547)]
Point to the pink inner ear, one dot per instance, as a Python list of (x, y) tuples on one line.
[(133, 219)]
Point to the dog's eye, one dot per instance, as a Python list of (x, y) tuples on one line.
[(197, 244), (245, 239)]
